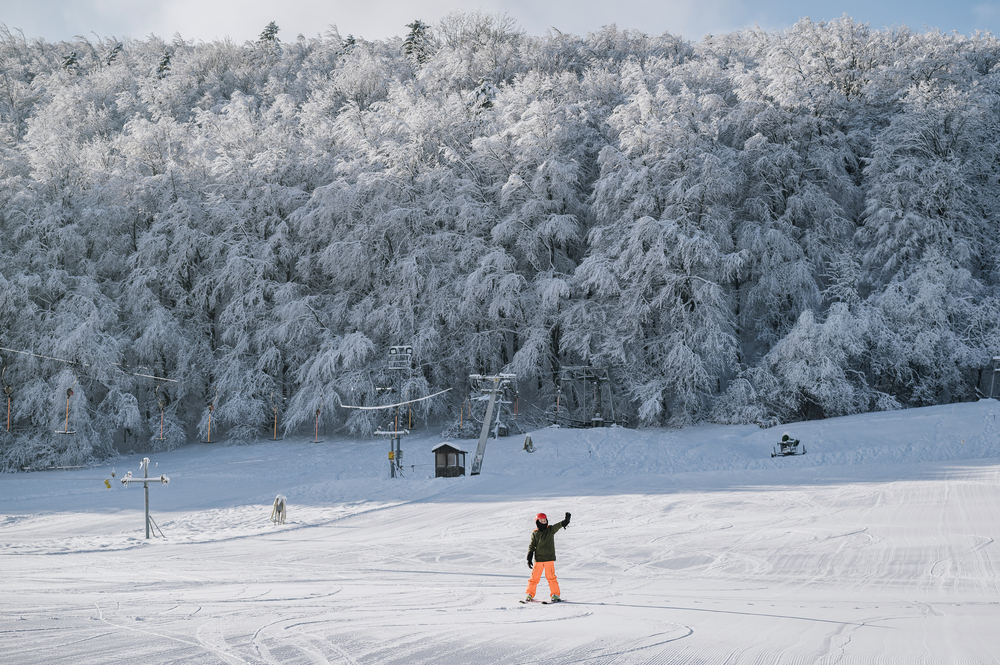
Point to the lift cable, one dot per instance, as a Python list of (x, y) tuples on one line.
[(392, 406), (74, 362)]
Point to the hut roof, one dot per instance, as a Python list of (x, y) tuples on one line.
[(448, 445)]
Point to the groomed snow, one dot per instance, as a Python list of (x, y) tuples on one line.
[(693, 546)]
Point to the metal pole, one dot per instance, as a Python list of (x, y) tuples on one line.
[(496, 424), (392, 448), (611, 399), (477, 461), (145, 486), (69, 393)]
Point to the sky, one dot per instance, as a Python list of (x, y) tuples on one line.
[(240, 20)]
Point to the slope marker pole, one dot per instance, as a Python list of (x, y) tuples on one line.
[(159, 402), (275, 410), (69, 393), (211, 408), (8, 390), (318, 411)]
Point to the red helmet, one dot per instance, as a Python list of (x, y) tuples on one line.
[(540, 517)]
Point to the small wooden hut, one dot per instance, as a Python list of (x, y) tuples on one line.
[(449, 461)]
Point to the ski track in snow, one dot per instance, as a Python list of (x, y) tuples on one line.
[(686, 547)]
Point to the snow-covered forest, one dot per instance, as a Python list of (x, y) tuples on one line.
[(755, 227)]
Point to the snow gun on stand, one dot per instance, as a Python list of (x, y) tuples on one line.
[(787, 446)]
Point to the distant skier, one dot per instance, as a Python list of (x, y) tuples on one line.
[(543, 550)]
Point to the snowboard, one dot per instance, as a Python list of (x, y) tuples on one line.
[(543, 602)]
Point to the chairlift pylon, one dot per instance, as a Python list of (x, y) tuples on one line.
[(507, 401), (584, 397), (394, 434), (493, 389)]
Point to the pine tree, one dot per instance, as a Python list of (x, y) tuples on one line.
[(113, 54), (71, 62), (163, 67), (270, 33), (417, 44)]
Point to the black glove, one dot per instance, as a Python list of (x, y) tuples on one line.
[(566, 521), (531, 560)]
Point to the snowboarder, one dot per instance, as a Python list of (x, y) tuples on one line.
[(542, 556)]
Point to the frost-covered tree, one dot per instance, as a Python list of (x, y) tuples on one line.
[(756, 227), (927, 227), (663, 261)]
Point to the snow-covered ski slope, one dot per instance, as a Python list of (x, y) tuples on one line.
[(695, 546)]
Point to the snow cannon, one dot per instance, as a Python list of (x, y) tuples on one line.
[(787, 446)]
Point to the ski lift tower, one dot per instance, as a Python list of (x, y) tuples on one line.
[(399, 360), (590, 391), (494, 386)]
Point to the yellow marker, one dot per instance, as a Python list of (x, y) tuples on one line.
[(107, 483), (392, 455)]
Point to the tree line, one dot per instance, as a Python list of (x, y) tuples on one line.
[(757, 227)]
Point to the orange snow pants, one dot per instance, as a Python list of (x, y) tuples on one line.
[(550, 576)]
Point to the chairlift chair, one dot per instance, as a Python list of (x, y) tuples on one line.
[(400, 357)]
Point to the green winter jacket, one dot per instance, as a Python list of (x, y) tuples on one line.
[(543, 542)]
